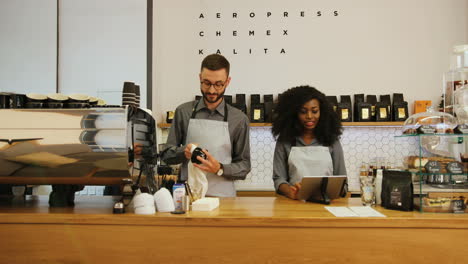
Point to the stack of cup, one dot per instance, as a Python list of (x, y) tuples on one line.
[(101, 102), (128, 93), (5, 100), (164, 201), (137, 95), (144, 203), (56, 100), (78, 101), (35, 100), (18, 101), (93, 101)]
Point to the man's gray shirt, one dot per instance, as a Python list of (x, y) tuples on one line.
[(239, 134), (283, 149)]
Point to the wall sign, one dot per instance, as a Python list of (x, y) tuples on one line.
[(270, 29), (339, 47)]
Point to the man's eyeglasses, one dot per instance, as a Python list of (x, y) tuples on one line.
[(207, 84)]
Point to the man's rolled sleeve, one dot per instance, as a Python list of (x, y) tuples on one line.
[(174, 153)]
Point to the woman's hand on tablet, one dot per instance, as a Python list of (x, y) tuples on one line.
[(290, 191)]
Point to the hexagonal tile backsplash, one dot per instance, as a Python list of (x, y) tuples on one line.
[(360, 144)]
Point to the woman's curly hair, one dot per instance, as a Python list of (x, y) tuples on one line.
[(286, 124)]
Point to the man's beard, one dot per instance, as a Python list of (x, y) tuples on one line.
[(219, 96)]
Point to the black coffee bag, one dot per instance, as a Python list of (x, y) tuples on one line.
[(397, 190)]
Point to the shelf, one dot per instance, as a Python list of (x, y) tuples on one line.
[(345, 124), (438, 188), (373, 124), (432, 135), (440, 173)]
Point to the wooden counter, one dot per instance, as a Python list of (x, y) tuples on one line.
[(242, 230)]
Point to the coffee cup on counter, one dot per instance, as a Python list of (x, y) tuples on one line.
[(35, 100), (56, 100), (78, 101)]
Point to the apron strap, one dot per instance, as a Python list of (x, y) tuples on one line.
[(194, 108), (293, 142), (225, 110)]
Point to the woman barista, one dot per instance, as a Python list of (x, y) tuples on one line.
[(307, 131)]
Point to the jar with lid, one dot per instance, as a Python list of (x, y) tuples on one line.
[(460, 106), (461, 56), (456, 77), (367, 183)]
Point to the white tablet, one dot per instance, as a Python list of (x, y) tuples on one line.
[(311, 187)]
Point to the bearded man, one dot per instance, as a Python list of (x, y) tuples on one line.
[(213, 125)]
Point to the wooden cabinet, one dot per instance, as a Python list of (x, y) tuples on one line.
[(242, 229)]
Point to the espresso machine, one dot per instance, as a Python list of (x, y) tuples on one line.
[(89, 146)]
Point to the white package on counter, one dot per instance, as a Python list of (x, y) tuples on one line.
[(205, 204)]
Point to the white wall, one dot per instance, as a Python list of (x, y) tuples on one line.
[(372, 46), (28, 45), (102, 44)]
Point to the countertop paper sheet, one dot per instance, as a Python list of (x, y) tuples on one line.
[(353, 211)]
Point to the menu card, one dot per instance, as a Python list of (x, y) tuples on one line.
[(354, 211)]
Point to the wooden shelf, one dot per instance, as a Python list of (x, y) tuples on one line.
[(373, 124), (345, 124)]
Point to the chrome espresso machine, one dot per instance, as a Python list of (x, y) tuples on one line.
[(91, 146)]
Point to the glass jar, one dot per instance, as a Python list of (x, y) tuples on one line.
[(461, 54), (461, 103), (367, 183), (456, 77)]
